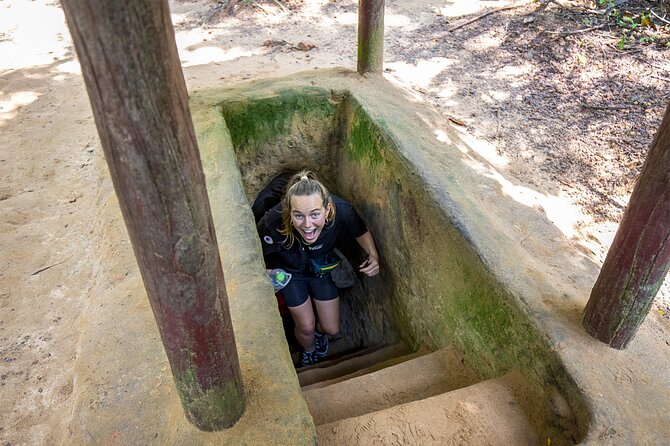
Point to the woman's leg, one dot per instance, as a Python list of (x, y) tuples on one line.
[(329, 315), (296, 295), (303, 316)]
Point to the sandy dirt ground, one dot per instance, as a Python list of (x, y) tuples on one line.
[(566, 117)]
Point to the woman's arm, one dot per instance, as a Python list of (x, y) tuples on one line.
[(371, 265)]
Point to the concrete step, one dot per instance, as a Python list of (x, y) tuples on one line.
[(350, 363), (421, 377), (371, 369), (486, 413)]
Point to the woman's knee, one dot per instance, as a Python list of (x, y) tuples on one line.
[(329, 324), (329, 327), (329, 316), (305, 324)]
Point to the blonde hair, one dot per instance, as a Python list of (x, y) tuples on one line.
[(303, 183)]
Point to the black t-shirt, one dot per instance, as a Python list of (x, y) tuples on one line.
[(296, 259)]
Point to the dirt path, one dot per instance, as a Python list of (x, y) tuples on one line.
[(566, 118)]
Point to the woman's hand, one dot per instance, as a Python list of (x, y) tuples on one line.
[(370, 267)]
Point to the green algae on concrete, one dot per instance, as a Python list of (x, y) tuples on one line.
[(276, 131), (213, 408), (252, 123), (365, 142)]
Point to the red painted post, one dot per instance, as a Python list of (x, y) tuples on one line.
[(137, 91), (639, 258), (370, 36)]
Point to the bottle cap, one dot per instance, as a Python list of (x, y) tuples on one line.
[(280, 276)]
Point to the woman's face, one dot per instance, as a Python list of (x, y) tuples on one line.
[(308, 216)]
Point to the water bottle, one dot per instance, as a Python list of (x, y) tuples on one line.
[(279, 278)]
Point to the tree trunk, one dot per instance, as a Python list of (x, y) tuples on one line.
[(136, 87), (639, 258), (370, 36)]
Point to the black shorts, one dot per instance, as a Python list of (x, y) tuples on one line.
[(301, 287)]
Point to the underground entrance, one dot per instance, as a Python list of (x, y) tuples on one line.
[(434, 290)]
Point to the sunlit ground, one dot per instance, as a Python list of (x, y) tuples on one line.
[(482, 156), (34, 34), (22, 47)]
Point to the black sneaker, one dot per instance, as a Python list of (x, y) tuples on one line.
[(320, 344), (308, 358)]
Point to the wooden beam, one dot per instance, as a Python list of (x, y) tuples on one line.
[(370, 36), (639, 258), (132, 72)]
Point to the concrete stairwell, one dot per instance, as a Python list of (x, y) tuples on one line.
[(389, 396)]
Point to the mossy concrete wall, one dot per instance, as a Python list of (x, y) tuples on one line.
[(293, 124), (440, 290)]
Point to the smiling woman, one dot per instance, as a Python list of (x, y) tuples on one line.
[(299, 235)]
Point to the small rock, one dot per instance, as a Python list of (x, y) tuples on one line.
[(529, 19)]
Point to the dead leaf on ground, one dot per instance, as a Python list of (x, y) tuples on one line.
[(302, 46), (273, 43), (456, 121)]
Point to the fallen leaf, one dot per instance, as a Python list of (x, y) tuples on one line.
[(302, 46), (273, 42), (456, 121)]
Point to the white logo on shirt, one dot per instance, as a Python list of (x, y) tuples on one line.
[(267, 239)]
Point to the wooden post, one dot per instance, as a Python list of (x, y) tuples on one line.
[(137, 91), (639, 258), (370, 36)]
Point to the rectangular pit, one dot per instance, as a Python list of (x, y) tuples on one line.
[(434, 289)]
